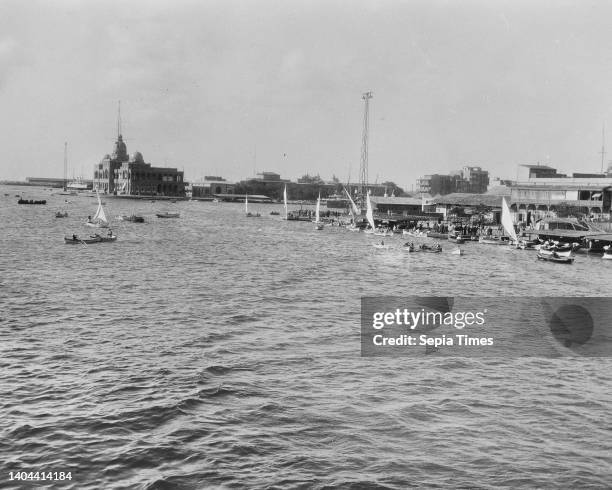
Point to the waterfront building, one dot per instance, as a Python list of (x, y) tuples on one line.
[(542, 197), (137, 178), (469, 204), (212, 186), (119, 173), (104, 172), (407, 207)]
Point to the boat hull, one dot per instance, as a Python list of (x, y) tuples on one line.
[(560, 259), (90, 240)]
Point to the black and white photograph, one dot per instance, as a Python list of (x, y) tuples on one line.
[(305, 244)]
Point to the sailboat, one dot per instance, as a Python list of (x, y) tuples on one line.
[(507, 223), (370, 215), (318, 223), (354, 213), (246, 208), (285, 200), (99, 220)]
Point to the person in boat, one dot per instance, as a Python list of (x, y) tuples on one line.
[(382, 243), (74, 237), (110, 232), (89, 219)]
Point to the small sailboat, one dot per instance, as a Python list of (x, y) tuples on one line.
[(354, 211), (507, 223), (246, 208), (285, 200), (318, 223), (370, 215), (99, 220)]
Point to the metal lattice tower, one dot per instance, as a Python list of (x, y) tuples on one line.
[(363, 169)]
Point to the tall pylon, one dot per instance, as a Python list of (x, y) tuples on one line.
[(363, 169)]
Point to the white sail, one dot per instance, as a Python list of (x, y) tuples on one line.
[(246, 203), (318, 209), (100, 216), (353, 205), (507, 220), (285, 199), (369, 212)]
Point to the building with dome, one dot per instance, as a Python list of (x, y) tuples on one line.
[(137, 178), (120, 173), (104, 172)]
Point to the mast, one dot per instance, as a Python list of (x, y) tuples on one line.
[(603, 146), (65, 165), (363, 169), (119, 120)]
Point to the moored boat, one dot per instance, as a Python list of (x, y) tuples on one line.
[(456, 238), (132, 218), (31, 201), (556, 257), (167, 215), (491, 240)]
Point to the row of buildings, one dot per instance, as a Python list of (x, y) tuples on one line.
[(467, 180), (539, 192)]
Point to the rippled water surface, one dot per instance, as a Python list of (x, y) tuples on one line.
[(216, 350)]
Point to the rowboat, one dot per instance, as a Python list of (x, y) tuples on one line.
[(75, 240), (167, 215), (555, 257), (493, 241)]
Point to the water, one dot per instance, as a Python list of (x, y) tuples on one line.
[(216, 350)]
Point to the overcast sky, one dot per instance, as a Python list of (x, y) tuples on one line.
[(232, 87)]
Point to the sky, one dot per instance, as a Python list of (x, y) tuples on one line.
[(235, 87)]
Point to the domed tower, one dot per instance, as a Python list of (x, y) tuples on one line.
[(120, 153)]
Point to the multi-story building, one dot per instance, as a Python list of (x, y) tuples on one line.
[(104, 172), (540, 197), (135, 177), (472, 180), (467, 180), (435, 184), (212, 186), (119, 173)]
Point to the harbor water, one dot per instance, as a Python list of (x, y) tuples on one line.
[(219, 350)]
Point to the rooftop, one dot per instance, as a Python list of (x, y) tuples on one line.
[(466, 199)]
